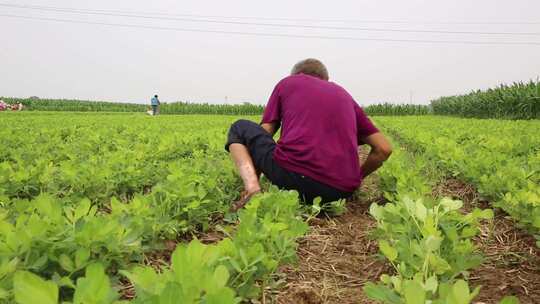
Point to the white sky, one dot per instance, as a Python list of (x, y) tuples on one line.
[(82, 61)]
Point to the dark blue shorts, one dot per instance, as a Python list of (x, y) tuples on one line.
[(261, 145)]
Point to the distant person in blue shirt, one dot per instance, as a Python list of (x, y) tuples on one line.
[(155, 104)]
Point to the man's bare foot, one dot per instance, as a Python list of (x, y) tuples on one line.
[(245, 196)]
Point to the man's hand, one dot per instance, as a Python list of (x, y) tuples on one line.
[(380, 151)]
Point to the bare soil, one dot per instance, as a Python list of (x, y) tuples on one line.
[(336, 258)]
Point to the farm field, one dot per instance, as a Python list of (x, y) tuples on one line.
[(113, 208)]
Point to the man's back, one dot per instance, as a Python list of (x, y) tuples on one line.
[(320, 127), (317, 154)]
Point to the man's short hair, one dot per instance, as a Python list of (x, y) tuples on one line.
[(311, 66), (155, 96)]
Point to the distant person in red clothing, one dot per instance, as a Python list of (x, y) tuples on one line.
[(317, 153)]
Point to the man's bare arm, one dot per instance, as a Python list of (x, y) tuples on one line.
[(380, 151), (270, 127)]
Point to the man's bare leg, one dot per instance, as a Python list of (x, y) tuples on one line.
[(246, 169)]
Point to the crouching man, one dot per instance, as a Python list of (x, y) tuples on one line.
[(317, 153)]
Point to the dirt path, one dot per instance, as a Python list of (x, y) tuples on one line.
[(512, 260), (336, 258)]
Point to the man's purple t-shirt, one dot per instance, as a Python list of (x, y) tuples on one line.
[(321, 128)]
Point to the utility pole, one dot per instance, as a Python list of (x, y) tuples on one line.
[(410, 97)]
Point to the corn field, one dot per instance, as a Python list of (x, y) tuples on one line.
[(33, 104), (388, 109), (517, 101), (215, 109)]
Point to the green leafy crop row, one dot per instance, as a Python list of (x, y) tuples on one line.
[(229, 271), (85, 200), (428, 242), (501, 158), (97, 156)]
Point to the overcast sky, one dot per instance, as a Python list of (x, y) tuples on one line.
[(98, 62)]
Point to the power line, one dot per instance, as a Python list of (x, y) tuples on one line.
[(77, 11), (152, 27), (280, 19)]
